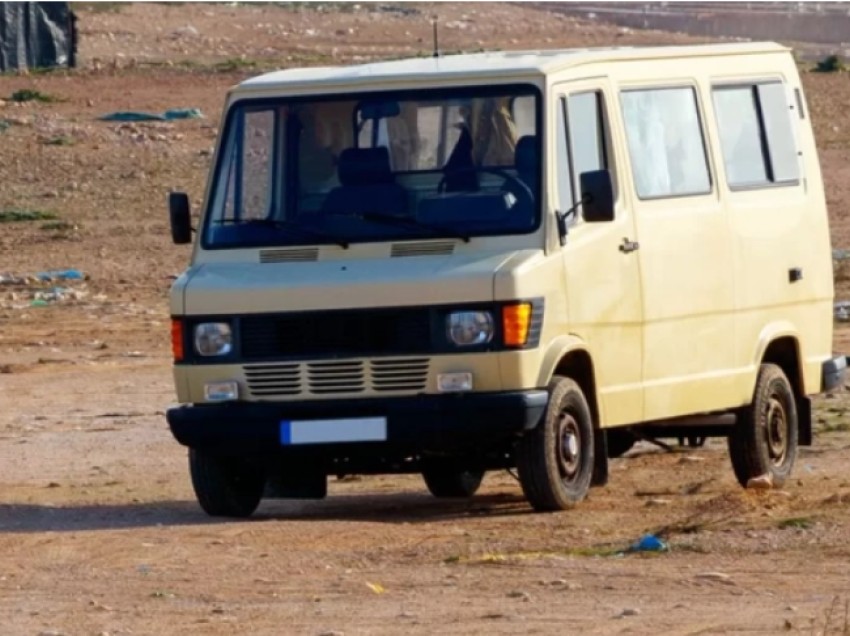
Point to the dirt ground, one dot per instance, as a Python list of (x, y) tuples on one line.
[(99, 530)]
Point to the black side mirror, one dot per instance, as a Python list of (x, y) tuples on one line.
[(181, 218), (597, 194)]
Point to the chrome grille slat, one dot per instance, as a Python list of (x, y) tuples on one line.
[(401, 375)]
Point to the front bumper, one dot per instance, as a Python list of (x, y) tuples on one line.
[(413, 424)]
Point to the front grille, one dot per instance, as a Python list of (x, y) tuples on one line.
[(358, 333), (331, 378)]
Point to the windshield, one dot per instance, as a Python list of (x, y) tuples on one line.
[(447, 163)]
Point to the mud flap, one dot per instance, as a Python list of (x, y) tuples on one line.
[(804, 421), (600, 461)]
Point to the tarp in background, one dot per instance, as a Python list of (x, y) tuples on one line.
[(37, 35)]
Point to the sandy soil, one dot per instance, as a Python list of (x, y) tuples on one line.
[(99, 530)]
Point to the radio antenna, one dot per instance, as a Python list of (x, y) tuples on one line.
[(436, 42)]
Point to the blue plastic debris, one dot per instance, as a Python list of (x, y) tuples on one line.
[(64, 274), (177, 113), (649, 543)]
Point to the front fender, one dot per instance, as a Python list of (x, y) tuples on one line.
[(555, 352)]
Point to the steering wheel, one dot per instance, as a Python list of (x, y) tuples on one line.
[(522, 187)]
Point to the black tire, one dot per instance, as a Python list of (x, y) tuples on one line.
[(619, 442), (225, 486), (451, 483), (765, 438), (555, 460)]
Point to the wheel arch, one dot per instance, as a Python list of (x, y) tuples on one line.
[(780, 345), (568, 356)]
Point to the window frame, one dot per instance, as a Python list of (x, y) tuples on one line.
[(701, 120), (244, 104), (562, 110), (753, 85), (603, 137)]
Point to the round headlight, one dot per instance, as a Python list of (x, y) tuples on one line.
[(468, 328), (213, 339)]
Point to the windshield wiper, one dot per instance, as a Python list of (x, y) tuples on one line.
[(287, 225), (397, 220)]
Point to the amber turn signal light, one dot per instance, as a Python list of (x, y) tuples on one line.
[(515, 323), (177, 340)]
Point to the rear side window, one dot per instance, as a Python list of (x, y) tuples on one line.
[(666, 144), (757, 137)]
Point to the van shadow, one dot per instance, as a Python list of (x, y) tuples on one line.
[(375, 508)]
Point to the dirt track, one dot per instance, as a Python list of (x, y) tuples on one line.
[(98, 526)]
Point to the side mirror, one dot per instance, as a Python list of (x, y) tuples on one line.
[(181, 218), (597, 195)]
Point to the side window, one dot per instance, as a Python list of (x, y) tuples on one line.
[(587, 134), (562, 157), (666, 144), (248, 193), (756, 135)]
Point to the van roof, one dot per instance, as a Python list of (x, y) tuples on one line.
[(487, 64)]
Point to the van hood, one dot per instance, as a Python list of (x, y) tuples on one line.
[(246, 288)]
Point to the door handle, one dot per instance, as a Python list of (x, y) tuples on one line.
[(629, 246)]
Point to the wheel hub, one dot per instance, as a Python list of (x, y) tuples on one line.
[(570, 446), (776, 430)]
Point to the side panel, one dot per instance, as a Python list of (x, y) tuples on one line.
[(602, 282), (780, 235), (683, 230)]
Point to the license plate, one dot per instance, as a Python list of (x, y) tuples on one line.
[(365, 429)]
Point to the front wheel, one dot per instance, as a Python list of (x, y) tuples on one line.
[(764, 440), (555, 460), (225, 486)]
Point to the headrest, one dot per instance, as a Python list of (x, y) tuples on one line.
[(527, 154), (365, 166)]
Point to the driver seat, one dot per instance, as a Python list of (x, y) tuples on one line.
[(367, 184), (526, 162)]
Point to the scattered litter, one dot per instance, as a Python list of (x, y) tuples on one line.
[(649, 543), (65, 274), (629, 611), (714, 576), (37, 290), (376, 588), (177, 113)]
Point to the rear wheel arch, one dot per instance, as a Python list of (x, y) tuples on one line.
[(779, 344), (783, 350)]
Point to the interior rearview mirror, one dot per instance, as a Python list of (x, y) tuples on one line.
[(181, 218), (379, 110), (597, 194)]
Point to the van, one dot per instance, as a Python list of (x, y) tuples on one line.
[(511, 260)]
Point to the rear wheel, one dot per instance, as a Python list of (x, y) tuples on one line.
[(764, 440), (555, 460), (225, 486), (452, 483)]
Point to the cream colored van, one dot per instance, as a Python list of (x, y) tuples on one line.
[(528, 260)]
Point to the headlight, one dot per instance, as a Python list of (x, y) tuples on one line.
[(213, 339), (468, 328)]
